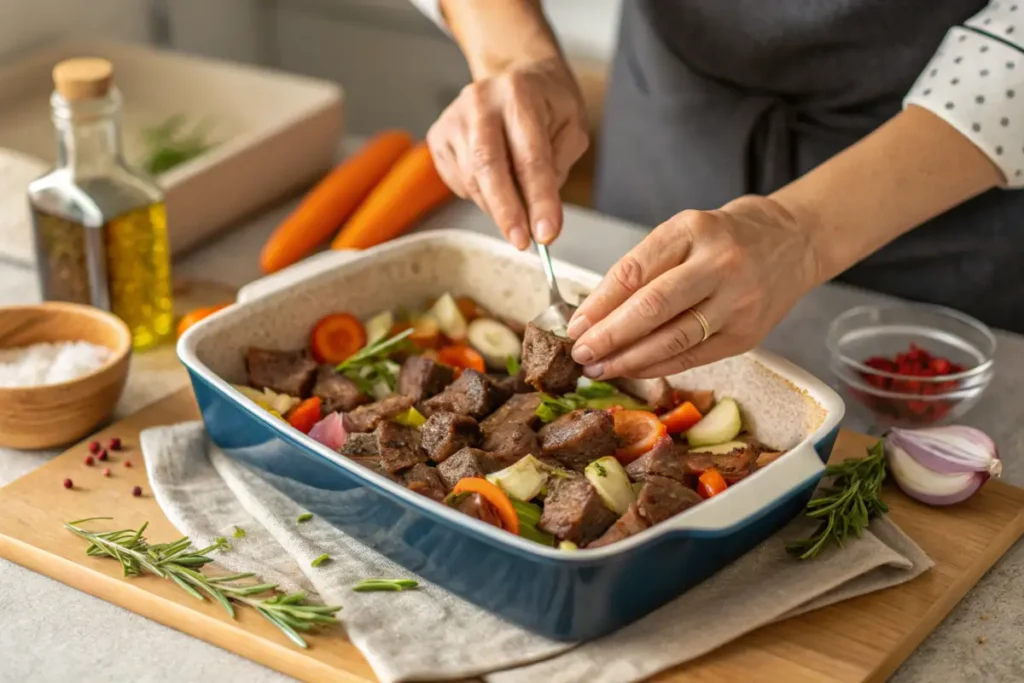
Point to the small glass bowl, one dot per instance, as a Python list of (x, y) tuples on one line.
[(911, 400)]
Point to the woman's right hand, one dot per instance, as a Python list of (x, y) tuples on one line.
[(508, 141)]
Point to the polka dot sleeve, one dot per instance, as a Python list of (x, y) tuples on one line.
[(975, 82)]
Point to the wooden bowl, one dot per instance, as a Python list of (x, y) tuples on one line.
[(56, 414)]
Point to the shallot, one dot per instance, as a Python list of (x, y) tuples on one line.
[(330, 431), (941, 465)]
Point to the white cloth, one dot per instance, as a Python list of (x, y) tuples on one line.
[(429, 634)]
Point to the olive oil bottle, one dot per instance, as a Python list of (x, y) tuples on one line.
[(100, 227)]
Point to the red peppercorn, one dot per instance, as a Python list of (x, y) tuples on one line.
[(127, 463), (102, 455), (68, 483), (89, 460), (137, 491), (115, 443), (94, 447), (106, 471)]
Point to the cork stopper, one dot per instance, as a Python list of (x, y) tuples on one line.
[(85, 78)]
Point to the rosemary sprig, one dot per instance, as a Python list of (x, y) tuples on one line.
[(179, 562), (169, 146), (371, 365), (848, 505), (374, 585)]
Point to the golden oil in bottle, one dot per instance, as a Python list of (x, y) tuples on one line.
[(100, 228)]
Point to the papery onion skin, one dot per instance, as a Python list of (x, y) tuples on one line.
[(941, 465), (947, 489)]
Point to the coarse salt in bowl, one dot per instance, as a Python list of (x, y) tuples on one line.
[(50, 363)]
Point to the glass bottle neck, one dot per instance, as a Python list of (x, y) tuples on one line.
[(88, 134)]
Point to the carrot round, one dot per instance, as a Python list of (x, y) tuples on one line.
[(461, 356), (495, 496), (305, 415), (332, 201), (638, 431), (408, 192), (681, 418), (711, 483), (335, 337)]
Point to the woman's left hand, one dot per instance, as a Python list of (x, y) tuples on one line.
[(742, 268)]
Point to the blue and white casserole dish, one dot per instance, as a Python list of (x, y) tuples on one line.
[(558, 594)]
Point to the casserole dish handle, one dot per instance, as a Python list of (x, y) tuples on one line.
[(796, 472)]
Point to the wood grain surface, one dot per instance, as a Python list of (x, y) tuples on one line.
[(857, 641)]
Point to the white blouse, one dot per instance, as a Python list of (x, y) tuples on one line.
[(975, 82)]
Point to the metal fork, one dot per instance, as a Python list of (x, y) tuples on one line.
[(555, 318)]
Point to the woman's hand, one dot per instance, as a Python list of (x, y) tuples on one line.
[(742, 267), (508, 141)]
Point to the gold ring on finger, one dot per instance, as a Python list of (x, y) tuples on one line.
[(703, 323)]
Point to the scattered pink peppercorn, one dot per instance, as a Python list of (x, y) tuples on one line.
[(115, 443), (68, 483), (127, 463), (102, 455), (95, 447), (89, 460), (137, 491), (106, 471)]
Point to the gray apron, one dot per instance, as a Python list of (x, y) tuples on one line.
[(713, 99)]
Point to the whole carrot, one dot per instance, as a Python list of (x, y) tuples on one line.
[(408, 192), (333, 200)]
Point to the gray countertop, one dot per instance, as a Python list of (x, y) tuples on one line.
[(50, 632)]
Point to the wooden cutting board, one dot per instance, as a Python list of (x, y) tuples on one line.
[(856, 641)]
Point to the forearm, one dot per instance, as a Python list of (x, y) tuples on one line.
[(914, 167), (496, 35)]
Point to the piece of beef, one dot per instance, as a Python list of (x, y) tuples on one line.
[(360, 445), (580, 437), (445, 433), (766, 458), (424, 480), (521, 408), (516, 383), (337, 392), (573, 511), (661, 498), (663, 460), (734, 466), (474, 505), (286, 372), (473, 394), (629, 524), (656, 392), (547, 361), (510, 442), (469, 462), (423, 377), (399, 446), (366, 418)]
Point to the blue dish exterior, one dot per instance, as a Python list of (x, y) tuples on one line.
[(561, 600)]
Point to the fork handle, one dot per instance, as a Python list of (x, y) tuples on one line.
[(554, 296)]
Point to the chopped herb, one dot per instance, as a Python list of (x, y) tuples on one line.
[(222, 544), (599, 468), (373, 585), (511, 365), (370, 365), (305, 517), (597, 390), (168, 147), (239, 532), (320, 560), (529, 517), (597, 395)]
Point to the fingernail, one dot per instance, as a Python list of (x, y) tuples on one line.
[(593, 371), (577, 326), (582, 354), (544, 230), (518, 238)]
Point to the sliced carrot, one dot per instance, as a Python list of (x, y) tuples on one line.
[(330, 203), (681, 418), (192, 317), (305, 415), (335, 337), (711, 483), (469, 308), (701, 399), (461, 356), (638, 432), (408, 192), (496, 497)]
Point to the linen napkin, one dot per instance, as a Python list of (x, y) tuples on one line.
[(430, 634)]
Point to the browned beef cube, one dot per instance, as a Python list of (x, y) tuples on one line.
[(520, 408), (629, 524), (516, 383), (661, 498), (360, 445), (663, 460), (445, 433), (366, 418), (474, 505), (573, 511), (473, 394), (337, 392), (399, 446), (733, 466), (424, 480), (469, 462), (765, 458), (548, 363), (510, 442), (286, 372), (580, 437), (422, 377)]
